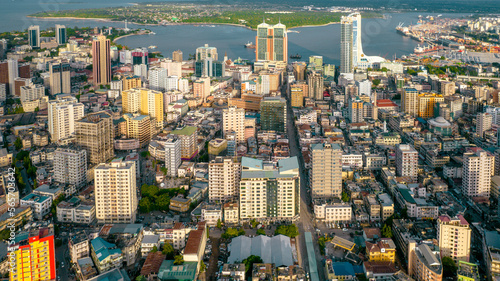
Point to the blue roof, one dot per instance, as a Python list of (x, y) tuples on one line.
[(343, 269), (103, 249), (406, 195), (288, 164), (251, 163), (169, 271), (35, 197)]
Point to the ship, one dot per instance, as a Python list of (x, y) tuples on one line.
[(250, 45), (419, 50), (152, 47), (296, 56)]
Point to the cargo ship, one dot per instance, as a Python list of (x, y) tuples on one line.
[(250, 45), (296, 56), (419, 50)]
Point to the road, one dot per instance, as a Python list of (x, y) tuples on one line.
[(306, 221)]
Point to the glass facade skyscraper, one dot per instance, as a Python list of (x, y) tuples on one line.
[(271, 42)]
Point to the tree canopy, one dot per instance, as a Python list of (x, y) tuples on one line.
[(287, 230)]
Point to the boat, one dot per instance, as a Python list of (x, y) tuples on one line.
[(250, 45), (419, 50), (296, 56), (152, 47)]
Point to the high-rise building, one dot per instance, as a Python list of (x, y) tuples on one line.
[(426, 103), (210, 68), (316, 62), (299, 70), (34, 36), (273, 114), (61, 34), (454, 237), (10, 70), (406, 161), (233, 120), (157, 78), (478, 167), (146, 102), (201, 88), (483, 123), (115, 192), (409, 101), (189, 141), (268, 191), (70, 166), (95, 133), (177, 56), (131, 82), (206, 52), (351, 49), (32, 92), (326, 170), (297, 96), (101, 60), (271, 42), (63, 112), (356, 110), (139, 127), (60, 78), (223, 180), (33, 255), (315, 84), (173, 148), (424, 262)]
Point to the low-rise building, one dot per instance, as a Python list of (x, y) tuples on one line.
[(40, 204), (211, 214), (382, 251), (335, 212), (105, 255), (148, 243)]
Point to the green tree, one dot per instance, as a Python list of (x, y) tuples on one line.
[(145, 205), (287, 230), (249, 263), (387, 231), (261, 231), (203, 267), (149, 190), (164, 170), (230, 233), (254, 223), (219, 224), (449, 267), (163, 202), (376, 82), (18, 143), (168, 251), (404, 213), (155, 249), (141, 278), (345, 197), (179, 259), (145, 154)]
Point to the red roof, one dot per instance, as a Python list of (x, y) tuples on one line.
[(193, 242), (386, 103)]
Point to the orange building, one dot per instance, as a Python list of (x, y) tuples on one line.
[(271, 43)]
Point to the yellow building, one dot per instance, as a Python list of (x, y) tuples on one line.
[(426, 103), (297, 97), (131, 82), (34, 257), (383, 250), (138, 127), (145, 102)]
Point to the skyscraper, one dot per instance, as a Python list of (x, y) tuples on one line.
[(406, 161), (157, 78), (61, 34), (271, 42), (189, 141), (409, 101), (115, 192), (315, 84), (351, 49), (273, 114), (63, 112), (60, 78), (206, 52), (34, 36), (426, 103), (326, 171), (483, 123), (177, 56), (95, 134), (139, 127), (10, 70), (70, 166), (223, 180), (233, 120), (101, 60), (173, 146), (356, 110), (454, 237), (478, 168)]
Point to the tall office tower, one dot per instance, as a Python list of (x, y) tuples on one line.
[(268, 191), (61, 34), (145, 102), (273, 114), (173, 147), (316, 85), (409, 101), (351, 49), (209, 67), (60, 78), (70, 166), (8, 73), (326, 170), (299, 70), (177, 56), (483, 123), (316, 63), (206, 52), (201, 88), (271, 42), (63, 113), (356, 110), (33, 256), (189, 141), (478, 168), (34, 36), (406, 161), (157, 78), (95, 133), (32, 92), (223, 180), (101, 60), (426, 103), (454, 237), (140, 56), (139, 127), (115, 192), (233, 120)]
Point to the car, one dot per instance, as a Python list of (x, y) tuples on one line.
[(345, 229)]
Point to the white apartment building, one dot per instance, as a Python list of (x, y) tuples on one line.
[(172, 83), (326, 171), (70, 166), (172, 147), (454, 237), (336, 212), (483, 123), (406, 161), (354, 160), (40, 204), (157, 79), (74, 212), (211, 214), (32, 92), (62, 115), (223, 180), (115, 192), (233, 119), (478, 167)]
